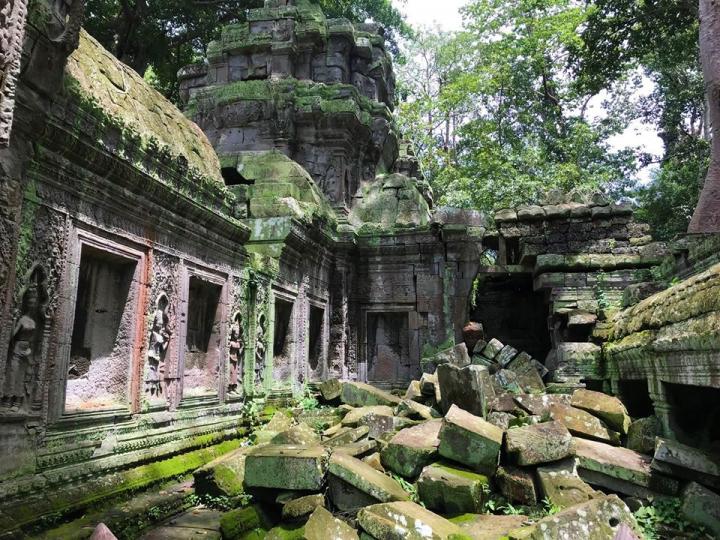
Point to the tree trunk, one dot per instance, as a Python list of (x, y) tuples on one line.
[(707, 214)]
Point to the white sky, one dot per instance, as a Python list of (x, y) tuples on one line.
[(446, 15)]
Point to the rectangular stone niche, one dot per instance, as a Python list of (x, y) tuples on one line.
[(103, 332), (283, 341), (388, 346), (203, 347), (315, 339)]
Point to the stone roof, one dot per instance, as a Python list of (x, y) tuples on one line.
[(124, 95)]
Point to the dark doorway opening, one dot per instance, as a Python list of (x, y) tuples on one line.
[(636, 397), (511, 311), (315, 338), (695, 414), (283, 340)]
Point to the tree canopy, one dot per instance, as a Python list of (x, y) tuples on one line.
[(533, 94)]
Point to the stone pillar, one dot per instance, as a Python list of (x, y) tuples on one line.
[(663, 409), (338, 320)]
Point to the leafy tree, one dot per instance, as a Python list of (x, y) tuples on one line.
[(660, 37), (168, 34), (519, 126)]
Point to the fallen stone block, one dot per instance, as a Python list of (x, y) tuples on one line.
[(516, 485), (527, 376), (319, 419), (375, 461), (642, 434), (301, 508), (358, 448), (243, 522), (487, 526), (583, 424), (364, 395), (278, 423), (405, 521), (608, 408), (681, 460), (413, 392), (472, 333), (501, 419), (347, 437), (353, 417), (222, 477), (702, 506), (469, 388), (540, 405), (322, 525), (506, 381), (412, 449), (597, 519), (450, 490), (539, 443), (428, 385), (560, 484), (416, 411), (575, 362), (470, 440), (506, 355), (366, 479), (102, 532), (286, 531), (379, 424), (492, 349), (621, 470), (286, 467), (330, 390), (301, 434)]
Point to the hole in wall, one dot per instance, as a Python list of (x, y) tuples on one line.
[(636, 397), (282, 340)]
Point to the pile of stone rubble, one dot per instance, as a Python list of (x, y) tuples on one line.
[(425, 465)]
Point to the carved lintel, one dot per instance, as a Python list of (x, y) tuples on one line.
[(13, 14)]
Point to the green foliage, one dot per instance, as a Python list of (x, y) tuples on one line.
[(410, 488), (599, 289), (495, 116), (663, 518), (309, 402)]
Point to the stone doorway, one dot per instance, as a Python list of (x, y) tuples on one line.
[(283, 341), (102, 333), (388, 348), (315, 339), (203, 347)]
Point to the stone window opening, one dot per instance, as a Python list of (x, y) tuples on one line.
[(103, 332), (315, 341), (388, 346), (233, 177), (202, 357)]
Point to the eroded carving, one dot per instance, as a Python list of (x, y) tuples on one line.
[(26, 343), (159, 340), (260, 350), (12, 33), (236, 354)]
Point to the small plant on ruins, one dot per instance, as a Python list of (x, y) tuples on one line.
[(309, 402), (549, 508), (600, 295), (663, 518), (217, 503), (410, 488)]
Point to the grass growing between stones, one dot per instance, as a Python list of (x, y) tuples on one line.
[(663, 518)]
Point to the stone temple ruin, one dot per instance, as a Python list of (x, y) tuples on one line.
[(172, 281)]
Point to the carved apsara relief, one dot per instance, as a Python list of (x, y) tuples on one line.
[(26, 344), (236, 354), (159, 340)]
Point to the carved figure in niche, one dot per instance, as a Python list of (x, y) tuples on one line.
[(260, 349), (159, 341), (237, 353), (26, 343)]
